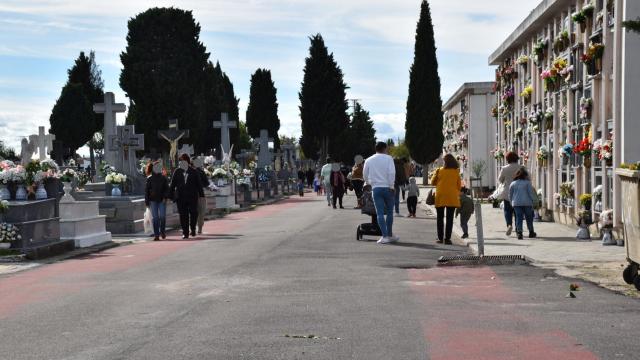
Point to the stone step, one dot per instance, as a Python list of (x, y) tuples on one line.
[(71, 229), (91, 240), (78, 210)]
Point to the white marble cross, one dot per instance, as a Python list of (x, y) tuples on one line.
[(44, 142), (264, 155), (109, 108), (224, 125)]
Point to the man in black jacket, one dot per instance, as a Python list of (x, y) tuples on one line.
[(198, 164), (186, 188)]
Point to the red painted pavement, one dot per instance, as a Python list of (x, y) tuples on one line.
[(58, 279), (470, 314)]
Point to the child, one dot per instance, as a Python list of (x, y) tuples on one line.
[(523, 199), (412, 197), (465, 210), (316, 186), (301, 187)]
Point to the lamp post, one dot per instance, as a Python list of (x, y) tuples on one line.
[(478, 211)]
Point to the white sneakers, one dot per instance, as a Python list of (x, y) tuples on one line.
[(509, 230), (388, 240)]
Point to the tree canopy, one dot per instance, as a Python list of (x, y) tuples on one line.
[(69, 120), (323, 105), (262, 112), (358, 139), (423, 124)]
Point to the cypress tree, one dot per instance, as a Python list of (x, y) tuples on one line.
[(262, 112), (163, 71), (87, 75), (323, 105), (423, 125), (358, 139)]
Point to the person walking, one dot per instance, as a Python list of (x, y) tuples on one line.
[(380, 173), (202, 200), (447, 182), (413, 192), (357, 179), (325, 177), (507, 174), (186, 188), (337, 187), (310, 175), (156, 192), (523, 198), (400, 181), (465, 210)]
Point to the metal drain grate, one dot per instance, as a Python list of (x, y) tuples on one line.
[(467, 260)]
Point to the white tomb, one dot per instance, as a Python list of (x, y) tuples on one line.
[(81, 222)]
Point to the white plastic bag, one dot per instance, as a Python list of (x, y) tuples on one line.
[(148, 222)]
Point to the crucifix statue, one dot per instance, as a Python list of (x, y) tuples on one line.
[(173, 135), (109, 108), (264, 154), (125, 143), (44, 142), (224, 125)]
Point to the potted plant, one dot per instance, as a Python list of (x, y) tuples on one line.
[(583, 220), (523, 60), (526, 93), (116, 180), (585, 201), (604, 151), (606, 227), (579, 18), (67, 177)]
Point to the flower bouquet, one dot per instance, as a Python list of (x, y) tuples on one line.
[(68, 175), (584, 148), (115, 178), (8, 234), (526, 93), (542, 155)]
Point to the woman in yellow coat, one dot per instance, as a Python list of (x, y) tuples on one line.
[(447, 183)]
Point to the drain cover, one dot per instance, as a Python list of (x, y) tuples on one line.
[(467, 260)]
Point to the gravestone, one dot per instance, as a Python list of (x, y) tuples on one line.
[(289, 155), (109, 108), (243, 156), (224, 125), (81, 223), (124, 144), (43, 142), (173, 135), (278, 161), (264, 153), (186, 149)]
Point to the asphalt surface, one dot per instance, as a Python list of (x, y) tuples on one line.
[(289, 281)]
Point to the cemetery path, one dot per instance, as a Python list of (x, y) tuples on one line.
[(289, 281)]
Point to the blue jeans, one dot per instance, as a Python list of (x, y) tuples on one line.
[(384, 202), (397, 199), (158, 213), (327, 191), (524, 213), (508, 212)]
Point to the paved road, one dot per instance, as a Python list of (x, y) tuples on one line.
[(295, 269)]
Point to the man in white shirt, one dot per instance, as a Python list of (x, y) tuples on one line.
[(380, 173), (325, 177)]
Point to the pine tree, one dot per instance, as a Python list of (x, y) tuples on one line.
[(323, 105), (423, 125), (84, 72), (162, 74), (262, 112), (358, 139)]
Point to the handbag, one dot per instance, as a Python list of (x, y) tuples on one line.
[(431, 197)]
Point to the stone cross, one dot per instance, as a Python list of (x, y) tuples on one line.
[(243, 156), (224, 125), (44, 142), (289, 156), (124, 144), (278, 163), (173, 135), (264, 155), (109, 108), (187, 149)]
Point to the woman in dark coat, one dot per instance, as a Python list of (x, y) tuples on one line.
[(337, 187), (155, 196), (186, 189)]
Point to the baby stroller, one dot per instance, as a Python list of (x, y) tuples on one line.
[(368, 208)]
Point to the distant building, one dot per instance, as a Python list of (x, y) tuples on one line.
[(470, 131), (567, 79)]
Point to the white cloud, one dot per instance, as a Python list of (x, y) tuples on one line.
[(389, 126)]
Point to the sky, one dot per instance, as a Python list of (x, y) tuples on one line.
[(372, 41)]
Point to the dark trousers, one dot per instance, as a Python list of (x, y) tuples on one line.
[(464, 223), (188, 216), (440, 211), (508, 212), (337, 196), (357, 187), (412, 204), (524, 213)]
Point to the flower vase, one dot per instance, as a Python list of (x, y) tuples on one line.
[(583, 232), (607, 237), (115, 190), (66, 187), (5, 194), (41, 192), (586, 161), (609, 162), (21, 193)]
